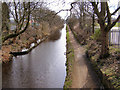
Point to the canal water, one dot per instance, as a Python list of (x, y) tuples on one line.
[(43, 67)]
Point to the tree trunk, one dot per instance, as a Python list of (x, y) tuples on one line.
[(30, 49), (93, 19), (105, 44)]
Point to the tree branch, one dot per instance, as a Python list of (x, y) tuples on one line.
[(67, 9), (108, 14), (21, 19), (18, 33), (103, 9), (16, 12), (115, 22), (95, 9), (115, 11)]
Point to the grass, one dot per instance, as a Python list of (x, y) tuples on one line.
[(96, 35), (69, 62), (117, 24), (113, 49), (105, 66), (96, 24), (67, 34), (108, 67)]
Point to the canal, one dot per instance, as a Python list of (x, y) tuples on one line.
[(43, 67)]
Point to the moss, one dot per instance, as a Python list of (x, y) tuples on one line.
[(66, 27), (67, 35), (69, 63), (68, 83)]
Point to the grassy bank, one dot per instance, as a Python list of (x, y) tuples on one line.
[(108, 69), (69, 62), (24, 41)]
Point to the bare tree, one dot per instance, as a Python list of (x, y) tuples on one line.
[(102, 11), (84, 12), (21, 14), (44, 14), (104, 15)]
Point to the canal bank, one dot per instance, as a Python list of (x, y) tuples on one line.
[(107, 69), (69, 60), (43, 67), (24, 42), (83, 75)]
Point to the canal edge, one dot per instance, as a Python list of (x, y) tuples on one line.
[(69, 60)]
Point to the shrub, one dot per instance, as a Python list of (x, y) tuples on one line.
[(96, 35)]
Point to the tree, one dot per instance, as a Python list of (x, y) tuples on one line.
[(83, 10), (5, 17), (44, 14), (72, 20), (104, 15), (21, 15), (102, 11)]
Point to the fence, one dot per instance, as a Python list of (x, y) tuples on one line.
[(114, 37)]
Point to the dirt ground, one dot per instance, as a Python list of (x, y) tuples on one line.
[(83, 74)]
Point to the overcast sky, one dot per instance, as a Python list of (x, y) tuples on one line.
[(59, 4)]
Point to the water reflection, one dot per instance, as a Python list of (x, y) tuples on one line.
[(44, 67)]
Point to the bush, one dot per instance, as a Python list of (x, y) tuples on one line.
[(67, 34), (96, 35), (72, 21)]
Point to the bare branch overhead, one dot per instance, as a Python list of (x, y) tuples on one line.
[(67, 9)]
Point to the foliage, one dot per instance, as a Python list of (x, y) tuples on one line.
[(96, 24), (67, 35), (96, 35), (113, 49), (71, 21), (69, 62), (84, 13), (44, 14), (104, 15), (117, 24), (108, 67)]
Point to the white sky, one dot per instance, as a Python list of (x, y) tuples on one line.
[(114, 4), (58, 5), (61, 4)]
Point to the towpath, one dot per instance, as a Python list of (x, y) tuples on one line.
[(83, 74)]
